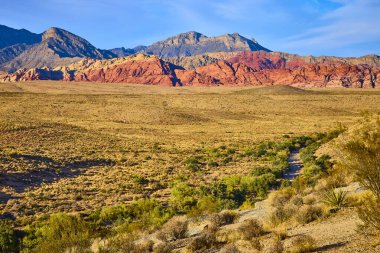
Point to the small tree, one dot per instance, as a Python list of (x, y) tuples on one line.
[(360, 155)]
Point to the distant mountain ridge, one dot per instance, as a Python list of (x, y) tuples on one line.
[(10, 37), (54, 47), (194, 43)]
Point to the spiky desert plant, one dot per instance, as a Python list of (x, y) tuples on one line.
[(335, 199)]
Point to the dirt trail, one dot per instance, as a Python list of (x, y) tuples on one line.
[(261, 207), (295, 165)]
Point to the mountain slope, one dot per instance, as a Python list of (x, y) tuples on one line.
[(11, 52), (194, 43), (58, 47), (10, 37)]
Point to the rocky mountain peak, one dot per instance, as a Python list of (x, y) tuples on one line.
[(188, 38)]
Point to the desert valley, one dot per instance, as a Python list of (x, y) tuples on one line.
[(190, 144)]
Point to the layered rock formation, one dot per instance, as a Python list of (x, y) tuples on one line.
[(239, 70)]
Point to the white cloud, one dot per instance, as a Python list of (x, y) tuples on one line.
[(356, 22)]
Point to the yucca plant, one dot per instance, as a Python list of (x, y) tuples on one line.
[(335, 199)]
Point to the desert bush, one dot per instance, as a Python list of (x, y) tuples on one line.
[(8, 238), (309, 199), (224, 218), (279, 215), (335, 179), (335, 199), (281, 197), (120, 243), (303, 244), (276, 246), (308, 213), (161, 248), (360, 155), (369, 213), (250, 229), (297, 200), (206, 240), (256, 244), (174, 229), (229, 248)]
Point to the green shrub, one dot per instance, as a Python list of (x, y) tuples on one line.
[(59, 233), (8, 238), (139, 180), (260, 171), (193, 163), (206, 205), (147, 214), (183, 197)]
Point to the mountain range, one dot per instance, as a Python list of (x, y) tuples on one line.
[(185, 59), (194, 43)]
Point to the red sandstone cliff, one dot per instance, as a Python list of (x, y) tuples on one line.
[(258, 68)]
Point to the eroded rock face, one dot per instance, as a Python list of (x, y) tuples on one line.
[(241, 69), (151, 71)]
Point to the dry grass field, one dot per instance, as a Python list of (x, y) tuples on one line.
[(79, 146)]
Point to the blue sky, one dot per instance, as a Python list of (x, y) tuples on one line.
[(316, 27)]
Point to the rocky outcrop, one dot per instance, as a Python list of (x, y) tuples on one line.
[(239, 70), (148, 71)]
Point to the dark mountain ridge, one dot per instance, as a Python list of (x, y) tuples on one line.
[(57, 47), (10, 37)]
